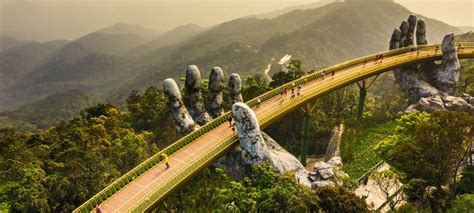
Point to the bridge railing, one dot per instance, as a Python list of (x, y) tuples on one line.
[(146, 165), (336, 68), (186, 172), (149, 163)]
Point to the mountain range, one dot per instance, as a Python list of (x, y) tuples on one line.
[(115, 60)]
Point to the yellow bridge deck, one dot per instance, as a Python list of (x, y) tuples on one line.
[(149, 183)]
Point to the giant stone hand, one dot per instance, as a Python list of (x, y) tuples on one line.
[(254, 146), (429, 86)]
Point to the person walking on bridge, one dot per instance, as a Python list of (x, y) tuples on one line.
[(166, 160), (98, 209), (258, 102), (230, 120)]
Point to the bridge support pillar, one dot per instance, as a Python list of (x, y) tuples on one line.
[(362, 95), (363, 87), (307, 110)]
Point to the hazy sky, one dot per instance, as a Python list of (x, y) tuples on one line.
[(69, 19)]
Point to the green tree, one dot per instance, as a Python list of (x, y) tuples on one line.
[(430, 149), (59, 169), (466, 183), (388, 182), (338, 199), (463, 203), (295, 71), (254, 86), (267, 190), (148, 112)]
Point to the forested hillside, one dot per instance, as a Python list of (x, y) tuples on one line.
[(119, 62), (318, 37), (47, 112), (19, 61)]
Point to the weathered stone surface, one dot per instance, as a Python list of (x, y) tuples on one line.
[(469, 99), (235, 88), (324, 170), (429, 86), (321, 183), (395, 40), (448, 71), (236, 166), (404, 26), (421, 32), (250, 137), (452, 103), (332, 149), (409, 40), (257, 146), (183, 121), (192, 88), (214, 95), (441, 103), (285, 161), (430, 104), (336, 161)]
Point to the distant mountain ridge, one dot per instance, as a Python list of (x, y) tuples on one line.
[(7, 43), (466, 29), (124, 28), (46, 112), (172, 37), (319, 37), (112, 64), (277, 13), (19, 61)]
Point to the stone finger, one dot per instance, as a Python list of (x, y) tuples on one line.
[(235, 88), (250, 136), (421, 32), (410, 36), (214, 95), (403, 32), (192, 88), (395, 40), (448, 71), (183, 121)]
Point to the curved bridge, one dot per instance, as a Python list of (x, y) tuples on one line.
[(145, 186)]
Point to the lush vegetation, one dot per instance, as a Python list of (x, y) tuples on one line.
[(45, 113), (466, 183), (58, 169), (265, 190), (358, 143), (429, 149)]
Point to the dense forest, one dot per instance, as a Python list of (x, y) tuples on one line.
[(84, 112), (61, 167)]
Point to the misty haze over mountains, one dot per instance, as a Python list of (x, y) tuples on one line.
[(111, 62), (44, 20)]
